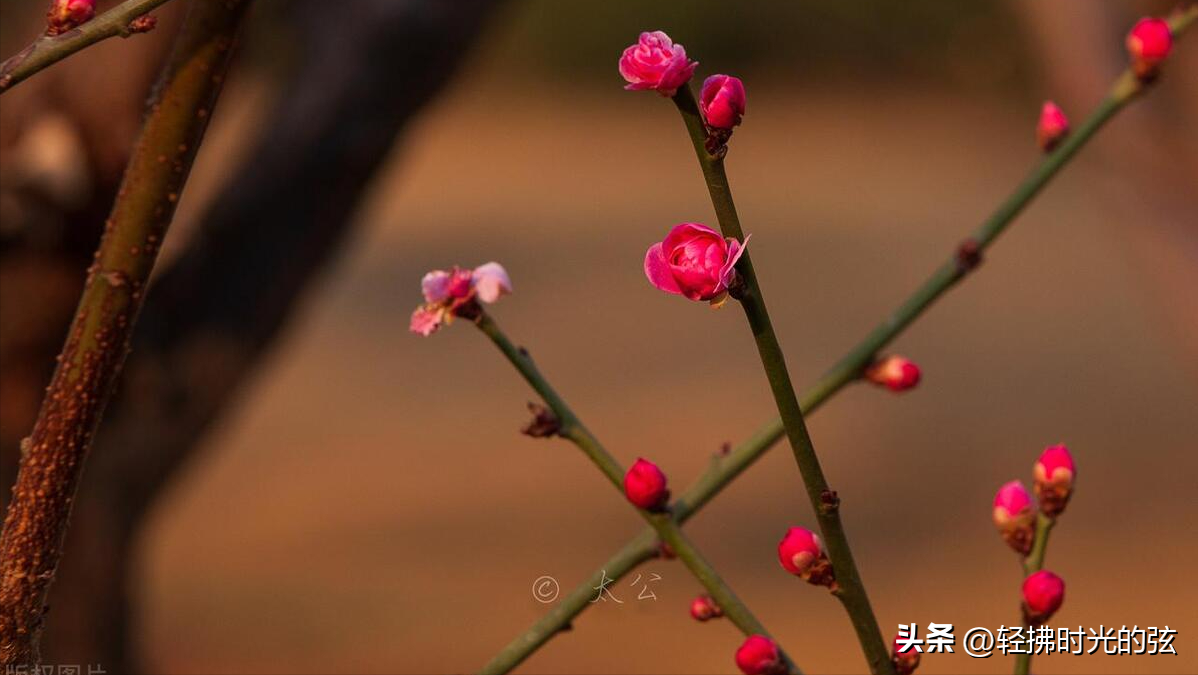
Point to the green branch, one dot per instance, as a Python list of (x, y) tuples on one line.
[(1034, 562), (570, 427), (725, 469), (850, 589), (50, 49)]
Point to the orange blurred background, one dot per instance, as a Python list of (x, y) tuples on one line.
[(369, 505)]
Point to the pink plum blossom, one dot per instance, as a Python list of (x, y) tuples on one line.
[(1043, 594), (1054, 472), (1149, 43), (1015, 516), (449, 293), (759, 655), (722, 101), (655, 62), (694, 261), (645, 485)]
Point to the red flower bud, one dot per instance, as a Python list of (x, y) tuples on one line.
[(67, 14), (1054, 473), (722, 101), (896, 373), (1053, 126), (645, 485), (801, 554), (905, 662), (703, 608), (1149, 43), (1015, 516), (759, 655), (1043, 593)]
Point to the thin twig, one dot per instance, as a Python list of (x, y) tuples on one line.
[(1034, 562), (53, 457), (725, 469), (850, 590), (571, 428), (50, 49)]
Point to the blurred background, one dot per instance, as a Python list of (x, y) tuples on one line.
[(290, 482)]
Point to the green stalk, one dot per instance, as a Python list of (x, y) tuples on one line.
[(50, 49), (570, 427), (1034, 562), (849, 587), (848, 368)]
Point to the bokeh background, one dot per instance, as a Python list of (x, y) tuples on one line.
[(352, 498)]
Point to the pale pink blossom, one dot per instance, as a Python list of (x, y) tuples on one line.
[(656, 62), (449, 293), (694, 261)]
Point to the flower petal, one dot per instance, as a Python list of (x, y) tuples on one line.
[(491, 281), (658, 270), (426, 320), (435, 286), (735, 250)]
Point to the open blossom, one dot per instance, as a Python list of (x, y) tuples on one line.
[(1043, 593), (1054, 472), (695, 261), (67, 14), (1149, 43), (722, 101), (645, 485), (1052, 127), (1015, 516), (801, 554), (656, 63), (759, 655), (896, 373), (454, 292), (703, 608)]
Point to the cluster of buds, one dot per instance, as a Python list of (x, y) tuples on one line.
[(896, 373), (904, 656), (1148, 44), (65, 15), (759, 655), (1015, 508), (801, 554), (645, 486), (1043, 592), (704, 608), (1052, 127), (657, 63), (456, 292)]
